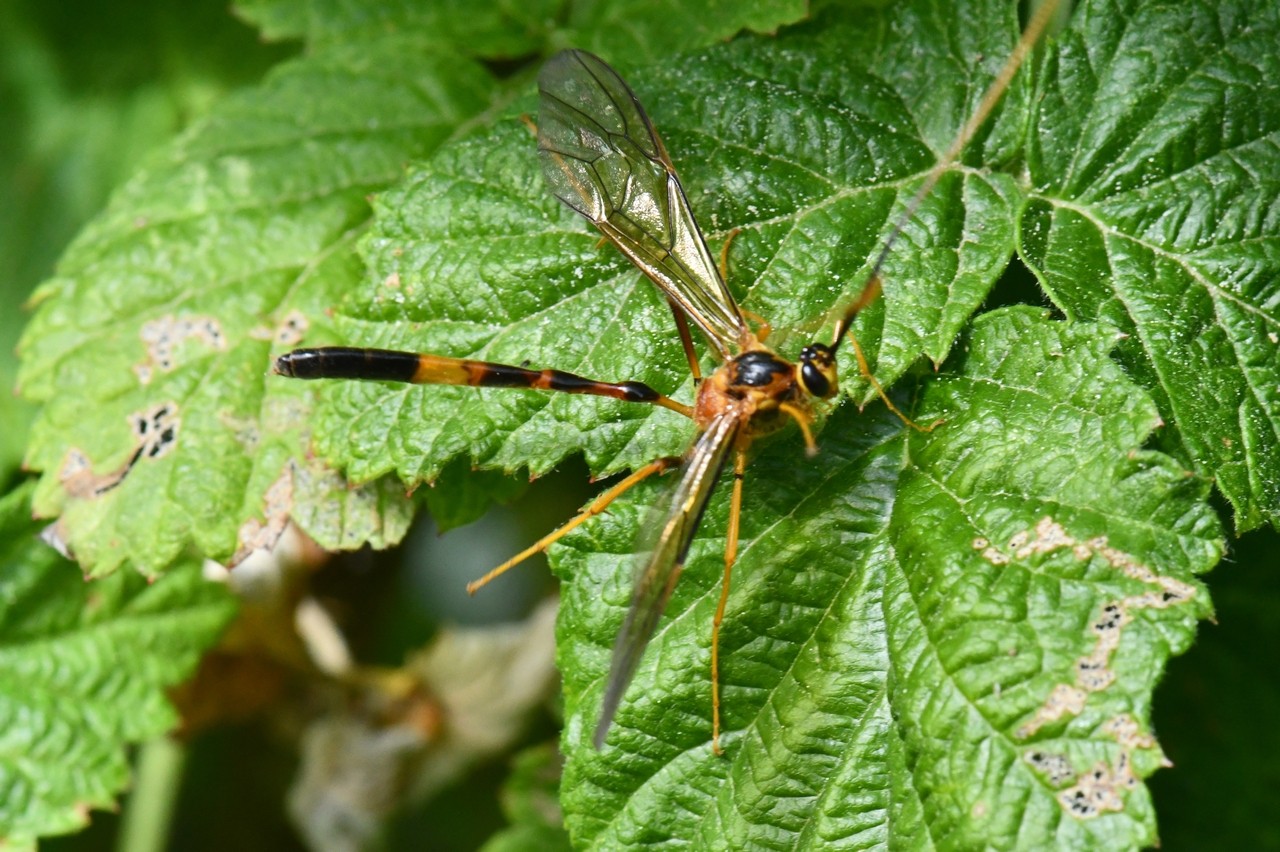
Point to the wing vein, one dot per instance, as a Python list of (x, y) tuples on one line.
[(602, 157)]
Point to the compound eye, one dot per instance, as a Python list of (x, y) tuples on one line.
[(813, 381), (818, 371)]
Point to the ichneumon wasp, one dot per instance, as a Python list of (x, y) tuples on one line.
[(602, 157)]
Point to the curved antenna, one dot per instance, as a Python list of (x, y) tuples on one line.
[(996, 91)]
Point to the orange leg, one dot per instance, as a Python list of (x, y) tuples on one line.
[(866, 374), (686, 340), (724, 254), (596, 507), (763, 329), (762, 326), (730, 556), (803, 419)]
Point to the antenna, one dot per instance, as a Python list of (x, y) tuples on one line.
[(997, 89)]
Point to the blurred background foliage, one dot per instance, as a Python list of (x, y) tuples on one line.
[(87, 90)]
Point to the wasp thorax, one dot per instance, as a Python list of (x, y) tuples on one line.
[(758, 368), (817, 373)]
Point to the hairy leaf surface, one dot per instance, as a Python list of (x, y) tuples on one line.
[(165, 310), (83, 671), (1155, 209), (954, 633)]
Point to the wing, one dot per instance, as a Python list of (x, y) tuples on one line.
[(602, 157), (663, 566)]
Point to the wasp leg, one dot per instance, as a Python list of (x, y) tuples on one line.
[(730, 556), (803, 419), (686, 340), (596, 507), (866, 374)]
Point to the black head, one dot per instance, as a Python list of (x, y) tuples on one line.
[(817, 372)]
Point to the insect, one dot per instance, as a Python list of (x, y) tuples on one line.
[(603, 158)]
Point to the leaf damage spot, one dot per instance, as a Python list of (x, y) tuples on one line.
[(1100, 789), (1053, 766), (162, 338), (989, 552), (155, 432), (393, 290), (291, 329), (245, 431), (1049, 536), (1064, 700), (1092, 671), (263, 533), (1129, 733), (55, 535)]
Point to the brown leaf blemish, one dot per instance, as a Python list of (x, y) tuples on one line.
[(163, 336), (155, 432), (263, 533)]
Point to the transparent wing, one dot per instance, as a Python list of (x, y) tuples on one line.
[(602, 157), (663, 565)]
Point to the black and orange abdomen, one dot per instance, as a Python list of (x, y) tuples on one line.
[(385, 365)]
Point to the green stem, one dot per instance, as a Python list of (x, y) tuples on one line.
[(149, 811)]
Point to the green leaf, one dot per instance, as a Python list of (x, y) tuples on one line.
[(1155, 171), (628, 31), (946, 633), (83, 673), (462, 495), (473, 258), (482, 29), (84, 96), (885, 679), (165, 309)]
